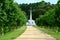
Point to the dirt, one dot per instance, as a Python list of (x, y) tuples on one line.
[(33, 33)]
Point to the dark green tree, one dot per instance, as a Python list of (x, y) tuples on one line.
[(57, 13), (11, 16)]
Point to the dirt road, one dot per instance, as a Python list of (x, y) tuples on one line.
[(33, 33)]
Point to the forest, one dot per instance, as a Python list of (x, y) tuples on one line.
[(44, 13)]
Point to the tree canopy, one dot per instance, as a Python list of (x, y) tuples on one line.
[(11, 16), (38, 8)]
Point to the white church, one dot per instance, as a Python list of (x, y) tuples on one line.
[(30, 22)]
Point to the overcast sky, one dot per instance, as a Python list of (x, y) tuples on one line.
[(34, 1)]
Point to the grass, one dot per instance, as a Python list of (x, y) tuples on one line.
[(14, 34), (52, 33)]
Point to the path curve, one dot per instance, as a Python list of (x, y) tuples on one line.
[(33, 33)]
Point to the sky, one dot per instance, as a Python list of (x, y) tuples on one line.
[(34, 1)]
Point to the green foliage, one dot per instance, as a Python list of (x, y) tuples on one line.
[(57, 14), (51, 18), (38, 8), (11, 16), (47, 19), (14, 34)]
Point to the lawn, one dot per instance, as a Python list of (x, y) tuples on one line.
[(14, 34), (52, 33)]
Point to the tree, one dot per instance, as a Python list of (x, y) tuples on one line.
[(57, 13), (11, 16), (48, 19)]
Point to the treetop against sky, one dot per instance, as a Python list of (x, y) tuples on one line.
[(34, 1)]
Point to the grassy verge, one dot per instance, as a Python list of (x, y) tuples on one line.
[(14, 34), (54, 34)]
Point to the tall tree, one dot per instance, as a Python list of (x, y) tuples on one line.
[(57, 12), (11, 16)]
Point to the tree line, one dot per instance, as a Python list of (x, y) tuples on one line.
[(44, 13), (11, 16), (51, 18), (38, 8)]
